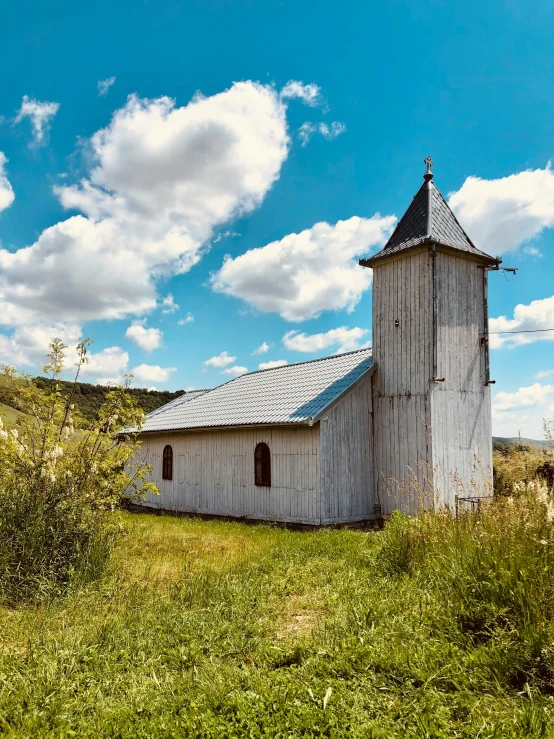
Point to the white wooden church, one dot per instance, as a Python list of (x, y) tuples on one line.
[(353, 436)]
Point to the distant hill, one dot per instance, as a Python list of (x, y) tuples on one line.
[(516, 440), (88, 398)]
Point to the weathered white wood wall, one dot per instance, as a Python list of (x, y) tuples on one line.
[(213, 473), (346, 459), (402, 291), (460, 406), (433, 440)]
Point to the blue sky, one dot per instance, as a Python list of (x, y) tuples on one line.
[(287, 136)]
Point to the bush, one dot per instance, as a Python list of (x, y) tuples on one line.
[(59, 486)]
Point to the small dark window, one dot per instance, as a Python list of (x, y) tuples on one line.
[(167, 463), (262, 465)]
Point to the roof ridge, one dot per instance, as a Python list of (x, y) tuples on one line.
[(295, 364)]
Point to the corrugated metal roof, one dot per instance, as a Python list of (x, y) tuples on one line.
[(428, 219), (184, 398), (293, 394)]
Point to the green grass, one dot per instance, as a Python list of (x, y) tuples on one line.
[(215, 629)]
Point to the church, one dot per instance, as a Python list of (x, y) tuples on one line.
[(351, 437)]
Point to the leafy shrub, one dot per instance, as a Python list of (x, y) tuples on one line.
[(60, 486)]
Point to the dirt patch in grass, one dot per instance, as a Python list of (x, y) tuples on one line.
[(299, 617)]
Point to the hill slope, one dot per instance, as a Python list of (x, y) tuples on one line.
[(87, 398)]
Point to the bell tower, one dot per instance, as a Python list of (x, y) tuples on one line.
[(431, 392)]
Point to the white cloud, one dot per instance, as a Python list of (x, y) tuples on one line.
[(109, 381), (161, 179), (304, 274), (189, 318), (235, 371), (544, 373), (40, 113), (169, 305), (104, 85), (152, 373), (221, 360), (6, 191), (307, 130), (110, 362), (28, 345), (274, 363), (147, 338), (536, 316), (345, 339), (523, 411), (262, 349), (310, 94), (500, 215)]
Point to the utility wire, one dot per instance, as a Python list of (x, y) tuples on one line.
[(528, 331)]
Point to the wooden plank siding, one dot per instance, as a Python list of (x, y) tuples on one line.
[(403, 292), (346, 458), (213, 473), (460, 406), (433, 440)]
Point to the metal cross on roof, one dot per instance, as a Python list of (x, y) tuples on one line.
[(429, 162)]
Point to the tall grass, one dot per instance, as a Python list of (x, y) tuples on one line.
[(492, 571), (430, 628)]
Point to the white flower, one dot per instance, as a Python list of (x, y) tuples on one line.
[(3, 434), (1, 423), (14, 433)]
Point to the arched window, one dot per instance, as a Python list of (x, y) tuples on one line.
[(167, 463), (262, 465)]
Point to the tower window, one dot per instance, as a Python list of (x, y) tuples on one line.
[(167, 463), (262, 465)]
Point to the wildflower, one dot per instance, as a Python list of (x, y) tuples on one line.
[(3, 434), (14, 433)]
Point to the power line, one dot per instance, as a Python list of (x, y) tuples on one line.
[(528, 331)]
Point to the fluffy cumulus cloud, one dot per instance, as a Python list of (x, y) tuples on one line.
[(104, 85), (342, 339), (262, 349), (535, 318), (221, 360), (500, 215), (306, 273), (152, 373), (169, 305), (523, 411), (40, 113), (6, 191), (162, 178), (189, 318), (110, 363), (27, 347), (329, 132), (272, 364), (235, 371), (310, 94), (147, 338)]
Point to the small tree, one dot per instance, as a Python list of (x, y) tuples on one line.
[(61, 480)]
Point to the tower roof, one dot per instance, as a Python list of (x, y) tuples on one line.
[(428, 220)]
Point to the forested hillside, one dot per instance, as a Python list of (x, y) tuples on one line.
[(88, 398)]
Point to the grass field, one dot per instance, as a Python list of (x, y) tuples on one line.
[(215, 629)]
